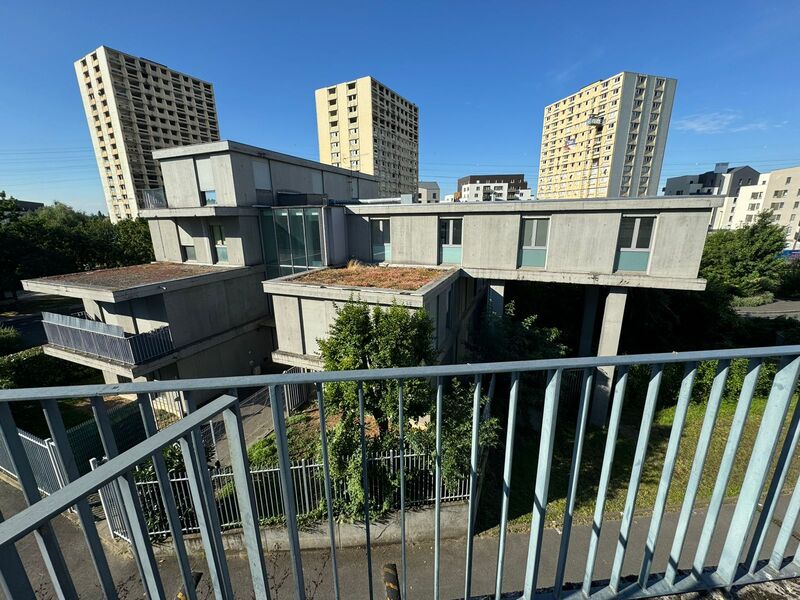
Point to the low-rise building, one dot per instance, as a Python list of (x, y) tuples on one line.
[(777, 192), (493, 188), (722, 181), (429, 192)]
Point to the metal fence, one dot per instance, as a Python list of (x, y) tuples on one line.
[(96, 338), (41, 456), (309, 490), (753, 548)]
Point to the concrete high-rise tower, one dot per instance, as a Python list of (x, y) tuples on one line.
[(134, 106), (364, 126), (607, 139)]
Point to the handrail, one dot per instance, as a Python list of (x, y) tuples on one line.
[(466, 369)]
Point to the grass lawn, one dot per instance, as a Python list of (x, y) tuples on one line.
[(526, 452), (37, 304)]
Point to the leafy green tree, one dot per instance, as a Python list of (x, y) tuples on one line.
[(745, 261)]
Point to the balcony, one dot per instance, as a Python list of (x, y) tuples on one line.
[(714, 540), (152, 199), (101, 340)]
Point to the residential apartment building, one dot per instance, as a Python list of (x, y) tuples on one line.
[(429, 191), (491, 188), (607, 139), (134, 106), (778, 192), (364, 126), (722, 181)]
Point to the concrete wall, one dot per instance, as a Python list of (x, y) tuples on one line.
[(583, 242), (415, 240), (494, 247)]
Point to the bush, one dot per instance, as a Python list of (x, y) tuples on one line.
[(750, 301), (790, 279), (34, 368), (10, 340)]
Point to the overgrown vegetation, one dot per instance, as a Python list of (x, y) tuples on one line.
[(10, 340), (57, 239), (358, 274)]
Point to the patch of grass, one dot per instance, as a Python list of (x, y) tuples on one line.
[(526, 450), (37, 304), (357, 274), (751, 301)]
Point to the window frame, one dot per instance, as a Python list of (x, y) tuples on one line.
[(537, 221), (219, 242), (450, 231), (635, 233)]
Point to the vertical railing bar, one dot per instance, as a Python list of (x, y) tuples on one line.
[(287, 489), (473, 485), (135, 524), (656, 373), (437, 515), (758, 467), (773, 493), (201, 512), (14, 582), (670, 456), (509, 454), (696, 472), (787, 528), (605, 476), (572, 488), (541, 489), (365, 483), (49, 548), (726, 465), (245, 494), (66, 463), (323, 428), (401, 426)]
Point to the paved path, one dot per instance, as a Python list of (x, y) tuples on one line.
[(352, 570), (779, 308)]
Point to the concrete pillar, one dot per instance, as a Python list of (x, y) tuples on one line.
[(591, 294), (495, 296), (613, 314)]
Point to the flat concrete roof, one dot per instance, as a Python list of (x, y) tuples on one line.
[(224, 146), (136, 281), (654, 203), (371, 276)]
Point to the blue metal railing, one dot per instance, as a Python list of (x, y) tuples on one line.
[(742, 558)]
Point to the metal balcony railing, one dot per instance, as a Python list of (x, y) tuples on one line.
[(102, 340), (153, 198), (748, 553)]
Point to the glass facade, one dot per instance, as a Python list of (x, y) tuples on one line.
[(533, 250), (381, 234), (450, 241), (291, 239), (633, 244)]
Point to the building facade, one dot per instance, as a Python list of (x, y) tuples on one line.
[(429, 191), (722, 181), (491, 188), (607, 139), (134, 106), (777, 192), (364, 126)]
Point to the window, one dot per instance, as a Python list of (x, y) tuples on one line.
[(633, 244), (533, 250), (291, 240), (779, 193), (380, 231), (450, 240), (220, 249), (208, 197)]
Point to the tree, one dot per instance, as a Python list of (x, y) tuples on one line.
[(745, 261)]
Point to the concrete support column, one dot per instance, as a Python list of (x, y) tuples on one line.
[(613, 314), (495, 296), (591, 294)]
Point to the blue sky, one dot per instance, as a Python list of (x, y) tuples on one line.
[(481, 73)]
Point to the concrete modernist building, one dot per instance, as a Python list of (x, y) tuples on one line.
[(364, 126), (778, 192), (607, 139), (490, 188), (429, 191), (722, 181), (236, 221), (134, 106), (200, 309)]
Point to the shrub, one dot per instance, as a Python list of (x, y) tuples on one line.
[(10, 340), (790, 279), (750, 301), (33, 368)]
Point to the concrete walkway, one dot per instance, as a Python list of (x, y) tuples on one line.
[(779, 308), (352, 561)]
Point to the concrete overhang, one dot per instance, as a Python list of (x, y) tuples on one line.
[(198, 211), (629, 280), (285, 286), (291, 359), (102, 287), (654, 204)]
